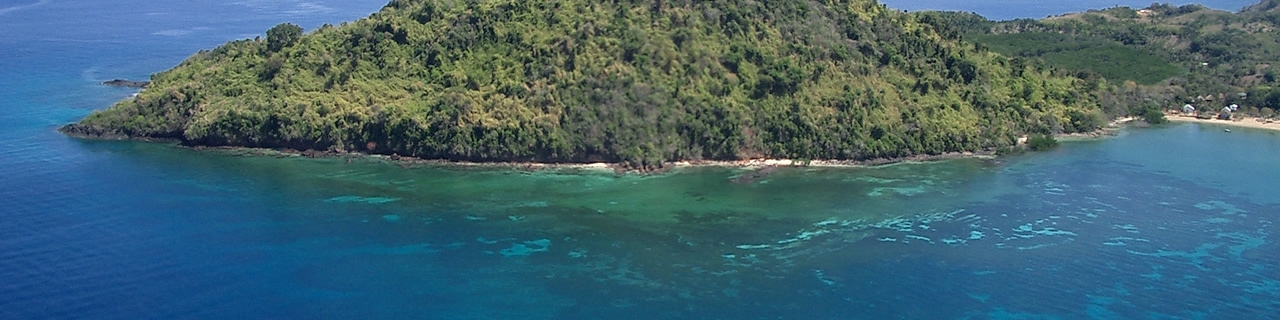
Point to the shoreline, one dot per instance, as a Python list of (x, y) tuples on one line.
[(1110, 130), (617, 168), (759, 164), (762, 165), (1252, 123)]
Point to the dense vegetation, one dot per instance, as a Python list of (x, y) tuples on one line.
[(1108, 59), (1172, 55), (636, 81)]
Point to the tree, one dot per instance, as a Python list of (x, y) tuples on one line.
[(1042, 142), (1266, 113), (1154, 116), (282, 35), (1250, 111)]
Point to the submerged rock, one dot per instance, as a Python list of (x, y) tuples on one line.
[(755, 175)]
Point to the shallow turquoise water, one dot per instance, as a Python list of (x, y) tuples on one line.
[(1172, 222)]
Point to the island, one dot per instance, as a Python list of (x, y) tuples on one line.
[(640, 83)]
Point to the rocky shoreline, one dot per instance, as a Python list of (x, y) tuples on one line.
[(1110, 130), (127, 83), (762, 167), (81, 131)]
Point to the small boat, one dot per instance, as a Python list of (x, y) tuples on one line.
[(1226, 130)]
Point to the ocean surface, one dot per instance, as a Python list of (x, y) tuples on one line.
[(1175, 222)]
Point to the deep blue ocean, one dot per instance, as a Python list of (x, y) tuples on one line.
[(1174, 222)]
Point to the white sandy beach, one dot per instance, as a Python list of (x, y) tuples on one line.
[(1255, 123)]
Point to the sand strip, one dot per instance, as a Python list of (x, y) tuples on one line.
[(1255, 123)]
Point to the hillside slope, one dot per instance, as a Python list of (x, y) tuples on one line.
[(1173, 54), (640, 82)]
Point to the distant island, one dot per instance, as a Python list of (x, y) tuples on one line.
[(641, 83)]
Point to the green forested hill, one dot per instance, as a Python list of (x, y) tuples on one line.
[(639, 81), (1172, 54)]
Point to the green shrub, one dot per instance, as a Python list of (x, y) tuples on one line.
[(1154, 116), (283, 35), (1042, 142)]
